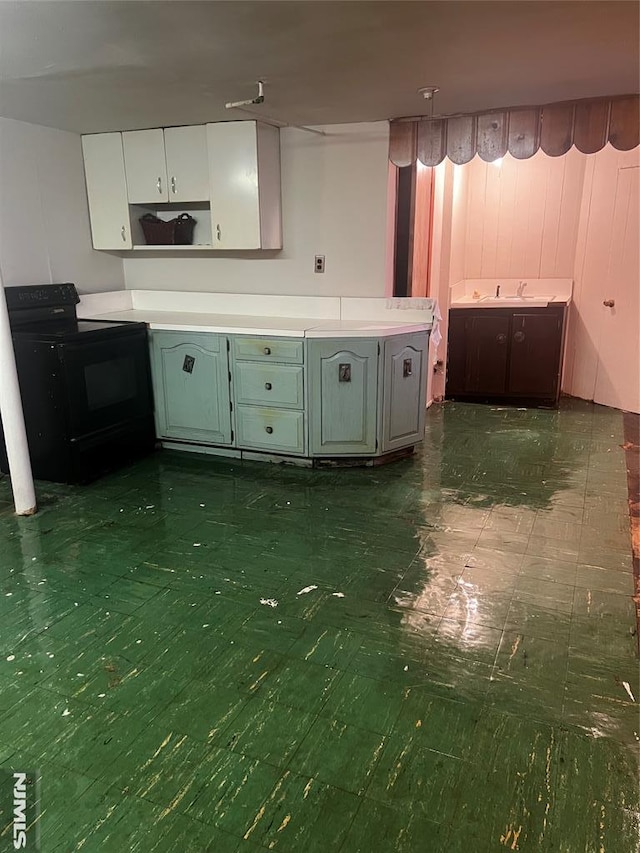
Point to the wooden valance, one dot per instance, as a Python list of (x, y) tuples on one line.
[(588, 124)]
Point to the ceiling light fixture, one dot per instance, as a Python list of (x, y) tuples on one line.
[(428, 92)]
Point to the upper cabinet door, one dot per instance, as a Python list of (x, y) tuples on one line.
[(145, 166), (187, 164), (106, 190), (244, 174)]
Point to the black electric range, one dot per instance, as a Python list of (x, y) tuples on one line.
[(85, 386)]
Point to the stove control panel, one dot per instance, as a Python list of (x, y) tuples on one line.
[(41, 296)]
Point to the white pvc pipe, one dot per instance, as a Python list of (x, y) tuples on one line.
[(15, 434)]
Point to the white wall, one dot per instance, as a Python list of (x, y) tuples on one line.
[(44, 220), (334, 195)]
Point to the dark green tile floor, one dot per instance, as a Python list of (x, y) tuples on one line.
[(437, 655)]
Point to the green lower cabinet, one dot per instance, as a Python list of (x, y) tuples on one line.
[(327, 397), (343, 396), (191, 387), (405, 390)]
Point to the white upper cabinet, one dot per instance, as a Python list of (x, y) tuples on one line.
[(244, 174), (145, 166), (226, 175), (106, 190), (187, 165), (166, 165)]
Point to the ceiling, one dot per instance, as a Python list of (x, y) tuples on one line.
[(98, 65)]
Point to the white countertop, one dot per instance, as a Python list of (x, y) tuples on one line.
[(364, 329), (510, 301), (186, 321), (288, 327), (514, 293)]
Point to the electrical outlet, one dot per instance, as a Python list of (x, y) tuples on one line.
[(319, 263)]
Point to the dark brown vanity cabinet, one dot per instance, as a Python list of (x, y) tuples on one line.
[(506, 354)]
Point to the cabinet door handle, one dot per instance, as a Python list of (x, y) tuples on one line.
[(501, 338), (123, 233), (519, 337), (173, 185), (267, 350), (267, 385), (406, 368), (159, 185), (344, 373), (268, 429), (609, 303), (218, 232)]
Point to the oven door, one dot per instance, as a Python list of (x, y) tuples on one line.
[(108, 381)]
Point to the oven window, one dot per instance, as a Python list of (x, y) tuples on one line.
[(110, 382)]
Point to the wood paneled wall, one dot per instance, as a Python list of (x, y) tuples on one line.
[(521, 217)]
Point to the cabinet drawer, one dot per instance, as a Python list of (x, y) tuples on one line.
[(269, 384), (269, 349), (278, 430)]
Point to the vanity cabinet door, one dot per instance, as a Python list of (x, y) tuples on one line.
[(191, 387), (487, 353), (343, 384), (535, 363), (478, 352)]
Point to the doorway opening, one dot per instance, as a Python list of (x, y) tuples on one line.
[(413, 230)]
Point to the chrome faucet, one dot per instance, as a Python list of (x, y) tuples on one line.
[(521, 287)]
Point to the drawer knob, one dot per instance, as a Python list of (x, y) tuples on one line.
[(267, 385), (609, 303), (268, 429), (267, 350)]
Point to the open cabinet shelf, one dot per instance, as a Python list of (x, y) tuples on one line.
[(175, 248)]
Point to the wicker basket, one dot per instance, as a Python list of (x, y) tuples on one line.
[(158, 232), (184, 229)]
